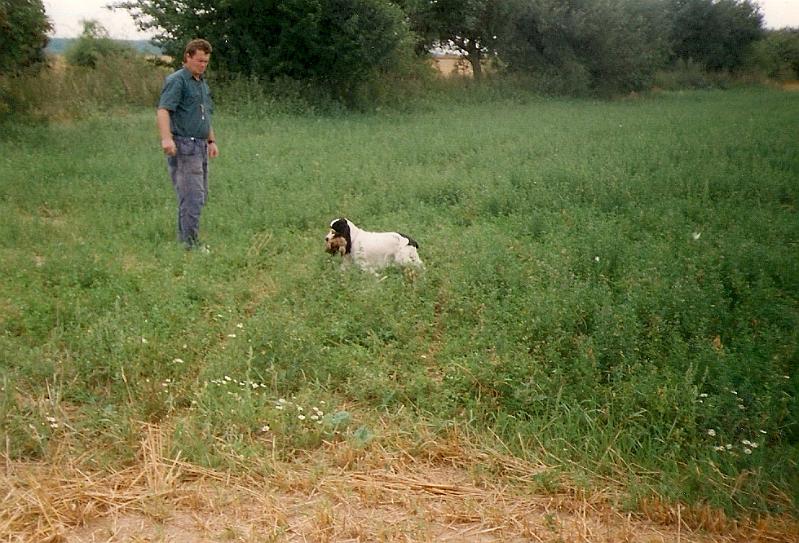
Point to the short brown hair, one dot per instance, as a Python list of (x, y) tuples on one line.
[(196, 45)]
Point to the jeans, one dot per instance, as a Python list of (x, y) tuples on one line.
[(189, 172)]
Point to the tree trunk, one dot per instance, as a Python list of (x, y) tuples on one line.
[(475, 61)]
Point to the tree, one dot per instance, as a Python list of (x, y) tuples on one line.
[(336, 43), (23, 34), (470, 26), (602, 45), (716, 33)]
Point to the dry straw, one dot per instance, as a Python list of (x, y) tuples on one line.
[(444, 490)]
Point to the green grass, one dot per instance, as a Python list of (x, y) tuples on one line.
[(607, 285)]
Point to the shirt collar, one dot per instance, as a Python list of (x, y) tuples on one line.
[(187, 73)]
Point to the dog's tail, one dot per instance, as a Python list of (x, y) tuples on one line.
[(411, 241)]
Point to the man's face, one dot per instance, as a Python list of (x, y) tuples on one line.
[(197, 63)]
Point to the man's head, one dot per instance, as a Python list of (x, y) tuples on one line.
[(196, 56)]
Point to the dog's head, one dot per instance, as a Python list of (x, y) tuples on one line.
[(338, 240)]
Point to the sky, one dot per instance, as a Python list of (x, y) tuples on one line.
[(67, 14)]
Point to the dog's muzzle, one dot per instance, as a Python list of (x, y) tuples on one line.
[(335, 244)]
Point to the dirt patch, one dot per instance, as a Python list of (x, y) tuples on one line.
[(792, 86), (433, 504), (336, 493)]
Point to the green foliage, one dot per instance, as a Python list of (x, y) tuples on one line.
[(715, 33), (340, 50), (333, 44), (23, 35), (777, 55), (687, 75), (69, 92), (468, 26), (94, 47), (611, 287), (605, 46)]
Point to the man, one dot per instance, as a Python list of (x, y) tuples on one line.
[(187, 137)]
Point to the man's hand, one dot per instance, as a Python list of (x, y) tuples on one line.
[(213, 150), (168, 145)]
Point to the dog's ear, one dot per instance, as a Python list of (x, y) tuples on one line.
[(341, 226), (412, 242)]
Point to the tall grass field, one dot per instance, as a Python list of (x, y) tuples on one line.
[(610, 286)]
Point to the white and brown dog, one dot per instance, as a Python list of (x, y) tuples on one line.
[(371, 251)]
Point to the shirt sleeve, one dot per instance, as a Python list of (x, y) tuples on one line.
[(170, 94)]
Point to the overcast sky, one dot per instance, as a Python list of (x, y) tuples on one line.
[(67, 14)]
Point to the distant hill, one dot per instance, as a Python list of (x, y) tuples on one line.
[(57, 46)]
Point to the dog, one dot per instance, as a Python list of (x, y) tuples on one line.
[(371, 251)]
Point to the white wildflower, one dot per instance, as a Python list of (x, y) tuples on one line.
[(696, 235), (239, 325), (177, 361), (301, 417), (265, 428), (747, 451), (711, 432), (231, 335)]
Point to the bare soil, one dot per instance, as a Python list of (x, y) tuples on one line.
[(444, 492)]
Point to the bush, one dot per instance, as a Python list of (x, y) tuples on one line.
[(94, 47), (99, 74), (69, 92), (777, 55), (685, 74), (607, 47)]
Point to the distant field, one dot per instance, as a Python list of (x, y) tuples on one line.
[(57, 46), (611, 288)]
